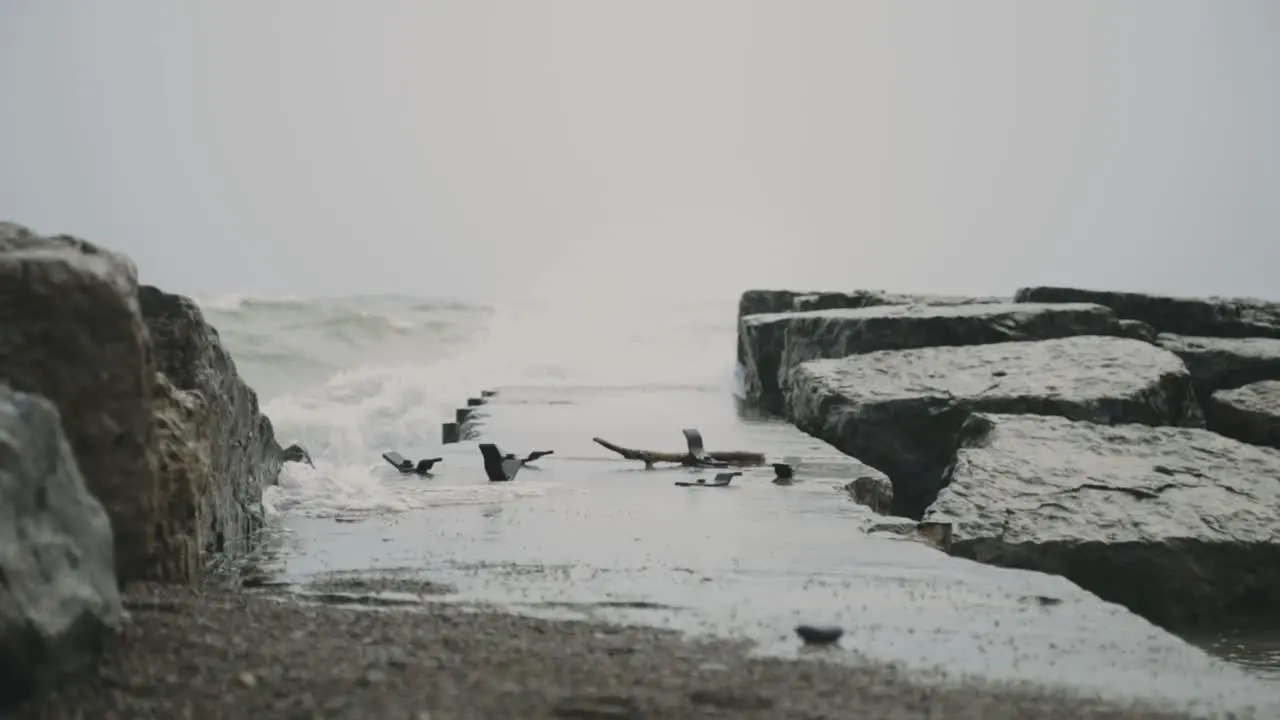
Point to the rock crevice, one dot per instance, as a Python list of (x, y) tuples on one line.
[(902, 411)]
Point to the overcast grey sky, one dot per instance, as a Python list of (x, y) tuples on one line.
[(691, 146)]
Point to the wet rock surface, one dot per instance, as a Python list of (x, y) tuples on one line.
[(58, 596), (907, 419), (216, 655), (181, 449), (774, 343), (1221, 363), (1138, 330), (296, 453), (873, 491), (165, 433), (244, 456), (819, 634), (1180, 525), (1214, 317), (756, 302), (901, 411), (1250, 413), (72, 332)]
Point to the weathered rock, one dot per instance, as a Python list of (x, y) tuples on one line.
[(72, 332), (1213, 317), (775, 343), (1250, 414), (900, 410), (934, 534), (1222, 363), (1137, 330), (873, 491), (296, 453), (181, 453), (58, 593), (17, 237), (75, 333), (819, 634), (244, 456), (1180, 525), (755, 302)]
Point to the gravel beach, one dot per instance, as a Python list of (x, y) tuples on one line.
[(217, 653)]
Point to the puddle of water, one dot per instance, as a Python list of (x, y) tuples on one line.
[(1257, 649), (593, 536)]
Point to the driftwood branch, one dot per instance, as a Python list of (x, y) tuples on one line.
[(649, 457)]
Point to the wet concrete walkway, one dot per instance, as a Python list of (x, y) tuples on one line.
[(589, 534)]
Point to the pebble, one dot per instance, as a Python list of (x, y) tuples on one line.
[(819, 634), (489, 654)]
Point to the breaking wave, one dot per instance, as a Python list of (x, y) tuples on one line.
[(350, 378)]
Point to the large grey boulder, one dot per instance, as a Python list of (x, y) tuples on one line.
[(72, 332), (755, 302), (1180, 525), (58, 592), (243, 454), (900, 411), (1250, 413), (1214, 317), (179, 457), (775, 343), (1220, 363)]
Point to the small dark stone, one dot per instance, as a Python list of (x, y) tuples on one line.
[(296, 453), (819, 634)]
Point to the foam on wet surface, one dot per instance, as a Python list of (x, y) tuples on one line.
[(602, 537)]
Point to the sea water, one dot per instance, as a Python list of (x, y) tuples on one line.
[(594, 536)]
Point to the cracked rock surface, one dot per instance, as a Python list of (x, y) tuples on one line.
[(900, 410), (1180, 525)]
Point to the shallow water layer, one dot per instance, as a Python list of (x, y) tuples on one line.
[(588, 534)]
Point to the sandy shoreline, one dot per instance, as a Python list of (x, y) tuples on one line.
[(221, 654)]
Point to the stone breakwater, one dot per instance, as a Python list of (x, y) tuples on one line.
[(1128, 442), (130, 449)]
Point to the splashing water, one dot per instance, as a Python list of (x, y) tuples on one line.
[(352, 378)]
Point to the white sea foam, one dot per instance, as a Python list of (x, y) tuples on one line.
[(334, 382)]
